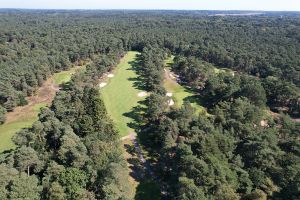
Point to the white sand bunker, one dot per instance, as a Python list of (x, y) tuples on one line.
[(171, 102), (101, 85), (110, 75), (142, 94), (169, 94)]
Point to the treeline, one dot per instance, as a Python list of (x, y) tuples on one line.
[(35, 44), (214, 86), (238, 151), (72, 151), (34, 47), (152, 68)]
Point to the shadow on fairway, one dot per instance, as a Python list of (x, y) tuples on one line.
[(139, 81), (136, 114)]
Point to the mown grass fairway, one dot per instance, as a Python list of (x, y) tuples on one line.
[(25, 116), (180, 93), (120, 95)]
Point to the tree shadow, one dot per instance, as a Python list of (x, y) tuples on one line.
[(137, 171), (147, 190), (197, 99), (139, 81), (137, 114)]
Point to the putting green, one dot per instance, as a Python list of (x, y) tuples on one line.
[(180, 93), (120, 95)]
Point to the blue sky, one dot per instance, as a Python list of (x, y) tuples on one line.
[(293, 5)]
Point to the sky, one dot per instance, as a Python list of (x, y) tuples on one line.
[(276, 5)]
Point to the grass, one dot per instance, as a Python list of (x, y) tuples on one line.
[(120, 95), (65, 76), (223, 70), (8, 130), (180, 93)]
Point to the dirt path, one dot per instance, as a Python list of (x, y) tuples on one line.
[(45, 94), (170, 76), (139, 167), (277, 115)]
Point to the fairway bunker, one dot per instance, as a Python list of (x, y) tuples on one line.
[(110, 75), (101, 85), (171, 102), (169, 94), (142, 94)]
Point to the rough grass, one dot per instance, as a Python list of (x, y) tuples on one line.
[(120, 95), (180, 93), (65, 76)]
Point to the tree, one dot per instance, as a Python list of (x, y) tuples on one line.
[(2, 115), (255, 195), (115, 185), (72, 151), (225, 192), (187, 190), (8, 175), (74, 181), (254, 91), (26, 159), (25, 187), (157, 104), (56, 192)]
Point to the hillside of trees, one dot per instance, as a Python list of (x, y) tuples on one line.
[(239, 150), (72, 151)]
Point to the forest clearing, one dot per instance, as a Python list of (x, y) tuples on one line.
[(25, 116)]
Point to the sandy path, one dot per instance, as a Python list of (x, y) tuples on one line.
[(143, 161), (45, 94)]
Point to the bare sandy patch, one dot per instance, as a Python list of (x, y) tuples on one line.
[(142, 94), (169, 94), (45, 94), (264, 123), (171, 102), (101, 85), (110, 75)]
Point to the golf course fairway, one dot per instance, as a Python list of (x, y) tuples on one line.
[(120, 95), (180, 94)]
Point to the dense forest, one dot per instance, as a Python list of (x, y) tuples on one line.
[(246, 146)]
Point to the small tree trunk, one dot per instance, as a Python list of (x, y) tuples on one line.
[(28, 170)]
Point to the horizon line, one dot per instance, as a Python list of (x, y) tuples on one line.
[(150, 9)]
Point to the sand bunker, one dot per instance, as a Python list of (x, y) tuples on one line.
[(101, 85), (264, 123), (172, 76), (110, 75), (169, 94), (171, 102), (142, 94)]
